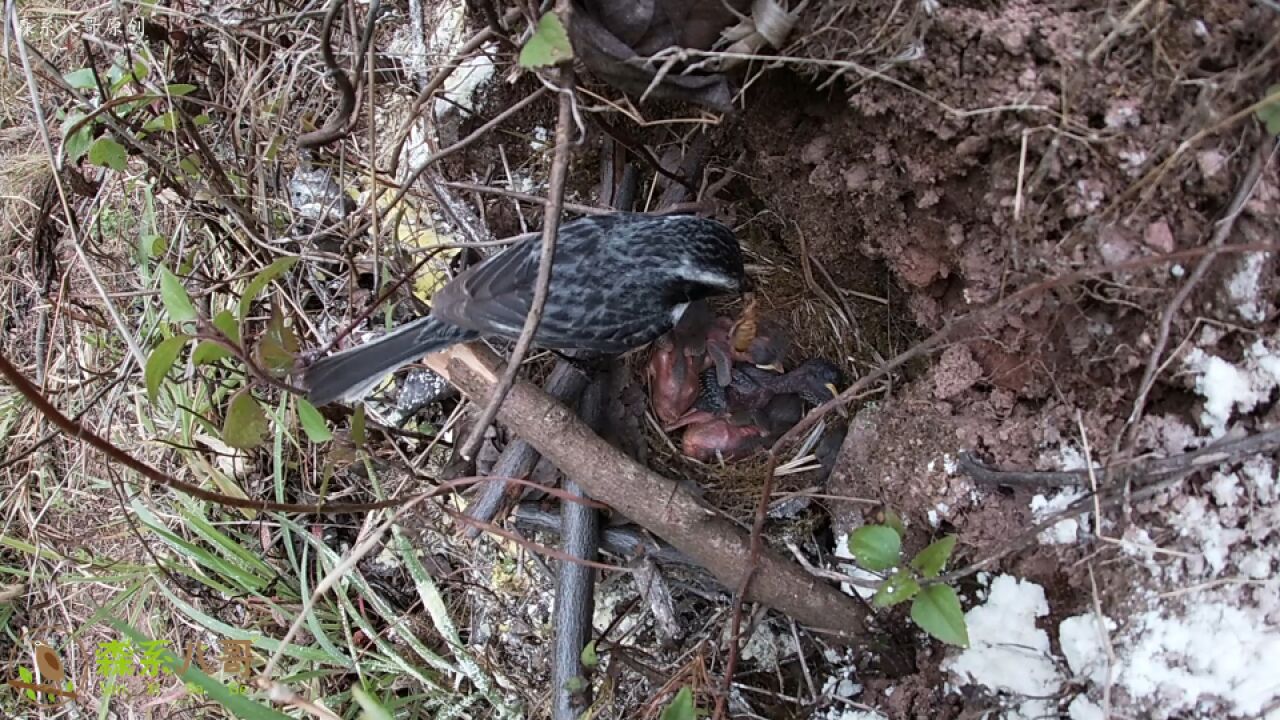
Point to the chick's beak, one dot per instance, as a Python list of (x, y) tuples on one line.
[(835, 392), (774, 367)]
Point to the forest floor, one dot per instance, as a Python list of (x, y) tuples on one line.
[(1043, 235)]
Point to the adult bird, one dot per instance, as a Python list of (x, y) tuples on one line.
[(618, 282)]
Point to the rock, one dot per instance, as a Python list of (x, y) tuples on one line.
[(918, 267), (956, 372), (1211, 162), (1158, 236), (856, 177), (1123, 114), (1114, 246), (816, 150)]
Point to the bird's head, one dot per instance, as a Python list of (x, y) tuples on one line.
[(698, 257), (817, 380)]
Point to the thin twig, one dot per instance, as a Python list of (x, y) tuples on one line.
[(525, 197), (550, 229), (1217, 453), (336, 126)]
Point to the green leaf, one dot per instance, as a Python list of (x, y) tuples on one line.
[(105, 152), (179, 89), (279, 344), (246, 425), (937, 611), (165, 121), (260, 282), (1269, 113), (898, 588), (875, 547), (152, 245), (81, 79), (177, 303), (313, 422), (370, 707), (76, 144), (122, 78), (160, 361), (226, 322), (681, 707), (208, 351), (575, 684), (26, 676), (358, 433), (932, 559), (549, 44), (894, 520), (588, 657)]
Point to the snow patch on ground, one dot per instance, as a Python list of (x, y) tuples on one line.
[(1007, 653), (1228, 388), (1245, 288), (1066, 531), (1209, 646), (1067, 458), (1084, 640), (1214, 649)]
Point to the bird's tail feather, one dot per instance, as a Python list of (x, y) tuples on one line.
[(351, 374)]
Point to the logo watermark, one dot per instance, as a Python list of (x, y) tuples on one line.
[(41, 678)]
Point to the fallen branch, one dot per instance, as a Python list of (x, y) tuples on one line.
[(576, 582), (1137, 472), (654, 502), (518, 458)]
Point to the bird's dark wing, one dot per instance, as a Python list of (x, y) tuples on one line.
[(582, 312), (493, 297), (616, 280)]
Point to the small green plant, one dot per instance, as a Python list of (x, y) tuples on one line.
[(130, 94), (682, 706), (246, 422), (934, 605)]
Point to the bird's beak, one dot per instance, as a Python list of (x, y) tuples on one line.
[(835, 392), (775, 367)]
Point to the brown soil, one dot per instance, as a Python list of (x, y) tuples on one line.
[(964, 208)]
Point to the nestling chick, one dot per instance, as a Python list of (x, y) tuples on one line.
[(741, 434), (703, 343)]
